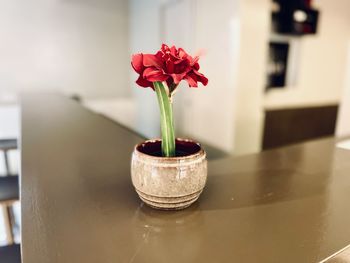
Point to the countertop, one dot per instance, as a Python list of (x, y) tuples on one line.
[(78, 204)]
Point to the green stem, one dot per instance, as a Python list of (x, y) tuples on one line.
[(167, 121)]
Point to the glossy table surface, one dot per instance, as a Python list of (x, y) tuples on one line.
[(78, 204)]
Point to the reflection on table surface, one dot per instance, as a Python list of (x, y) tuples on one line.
[(344, 144)]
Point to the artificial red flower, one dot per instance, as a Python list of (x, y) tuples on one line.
[(169, 64)]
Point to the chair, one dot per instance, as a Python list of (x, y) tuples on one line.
[(9, 193), (10, 254), (5, 146)]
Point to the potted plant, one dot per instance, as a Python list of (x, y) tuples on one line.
[(168, 173)]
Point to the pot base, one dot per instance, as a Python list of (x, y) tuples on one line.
[(169, 203)]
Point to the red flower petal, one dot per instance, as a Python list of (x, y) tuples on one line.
[(201, 78), (165, 48), (169, 64), (143, 82), (195, 66), (191, 79), (182, 66), (173, 51), (182, 53), (154, 74), (150, 60), (178, 61), (178, 77), (195, 61), (169, 67), (136, 62)]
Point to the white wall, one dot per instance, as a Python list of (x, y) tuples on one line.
[(145, 31), (75, 46), (343, 121), (209, 111), (248, 118), (322, 61), (9, 121)]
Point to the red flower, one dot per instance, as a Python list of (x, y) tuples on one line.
[(168, 64)]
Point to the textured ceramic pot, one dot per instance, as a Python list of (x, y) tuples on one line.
[(169, 183)]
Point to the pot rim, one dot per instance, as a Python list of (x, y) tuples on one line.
[(197, 154)]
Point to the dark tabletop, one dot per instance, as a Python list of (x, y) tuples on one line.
[(78, 203)]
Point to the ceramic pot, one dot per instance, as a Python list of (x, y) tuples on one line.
[(169, 183)]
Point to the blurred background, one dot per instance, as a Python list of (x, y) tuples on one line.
[(279, 71), (262, 57)]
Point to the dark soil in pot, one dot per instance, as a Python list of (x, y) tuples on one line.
[(183, 148)]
